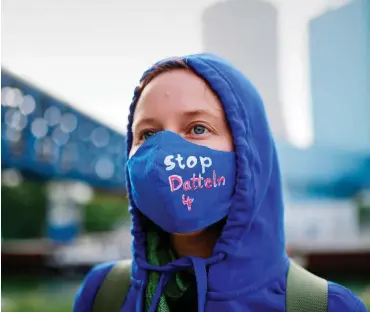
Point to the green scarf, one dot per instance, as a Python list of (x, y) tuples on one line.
[(159, 253)]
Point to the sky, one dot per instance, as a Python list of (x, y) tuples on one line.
[(92, 53)]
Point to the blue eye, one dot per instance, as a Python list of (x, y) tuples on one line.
[(147, 134), (199, 129)]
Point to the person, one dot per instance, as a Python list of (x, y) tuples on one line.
[(206, 199)]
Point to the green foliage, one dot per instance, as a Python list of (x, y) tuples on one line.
[(33, 302), (364, 214), (363, 210), (37, 294), (365, 296), (23, 210), (104, 212)]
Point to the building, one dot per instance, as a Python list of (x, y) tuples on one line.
[(340, 77), (245, 32)]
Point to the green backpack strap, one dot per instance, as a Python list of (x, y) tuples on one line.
[(114, 288), (305, 292)]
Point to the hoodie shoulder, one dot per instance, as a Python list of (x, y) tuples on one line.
[(85, 296), (342, 299)]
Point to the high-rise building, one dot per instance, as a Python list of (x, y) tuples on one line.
[(340, 76), (245, 33)]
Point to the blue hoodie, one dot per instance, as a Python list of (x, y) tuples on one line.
[(248, 269)]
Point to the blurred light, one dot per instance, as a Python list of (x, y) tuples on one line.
[(39, 128), (28, 105), (104, 168), (4, 95), (19, 121), (14, 119), (52, 115), (12, 134), (9, 116), (80, 192), (60, 137), (12, 97), (11, 178), (84, 131), (100, 137), (68, 122)]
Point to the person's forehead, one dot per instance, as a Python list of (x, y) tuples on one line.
[(177, 90)]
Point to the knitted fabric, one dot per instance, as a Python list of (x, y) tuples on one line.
[(159, 254)]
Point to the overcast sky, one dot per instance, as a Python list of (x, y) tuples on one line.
[(92, 52)]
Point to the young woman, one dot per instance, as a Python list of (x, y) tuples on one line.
[(206, 201)]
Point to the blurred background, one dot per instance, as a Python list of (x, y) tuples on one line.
[(68, 71)]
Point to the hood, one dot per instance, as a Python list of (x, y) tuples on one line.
[(251, 249)]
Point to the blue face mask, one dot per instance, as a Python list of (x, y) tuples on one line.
[(180, 186)]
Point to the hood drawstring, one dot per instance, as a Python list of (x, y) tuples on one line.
[(157, 295), (198, 264)]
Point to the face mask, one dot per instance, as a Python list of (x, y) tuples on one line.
[(180, 186)]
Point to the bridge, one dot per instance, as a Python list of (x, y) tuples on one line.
[(46, 138)]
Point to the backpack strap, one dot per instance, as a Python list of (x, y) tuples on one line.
[(114, 288), (305, 292)]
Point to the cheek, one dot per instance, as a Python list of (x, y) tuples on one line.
[(229, 143), (226, 144), (221, 143), (225, 141), (225, 138)]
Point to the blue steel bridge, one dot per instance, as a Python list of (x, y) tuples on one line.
[(46, 138)]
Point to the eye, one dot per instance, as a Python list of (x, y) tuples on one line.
[(147, 134), (199, 130)]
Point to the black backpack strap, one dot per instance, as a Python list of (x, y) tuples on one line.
[(114, 288), (305, 291)]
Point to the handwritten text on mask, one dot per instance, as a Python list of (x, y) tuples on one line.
[(196, 181)]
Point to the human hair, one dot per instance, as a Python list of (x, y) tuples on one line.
[(156, 70), (148, 76)]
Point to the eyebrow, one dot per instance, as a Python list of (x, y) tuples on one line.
[(187, 114), (199, 112), (144, 121)]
